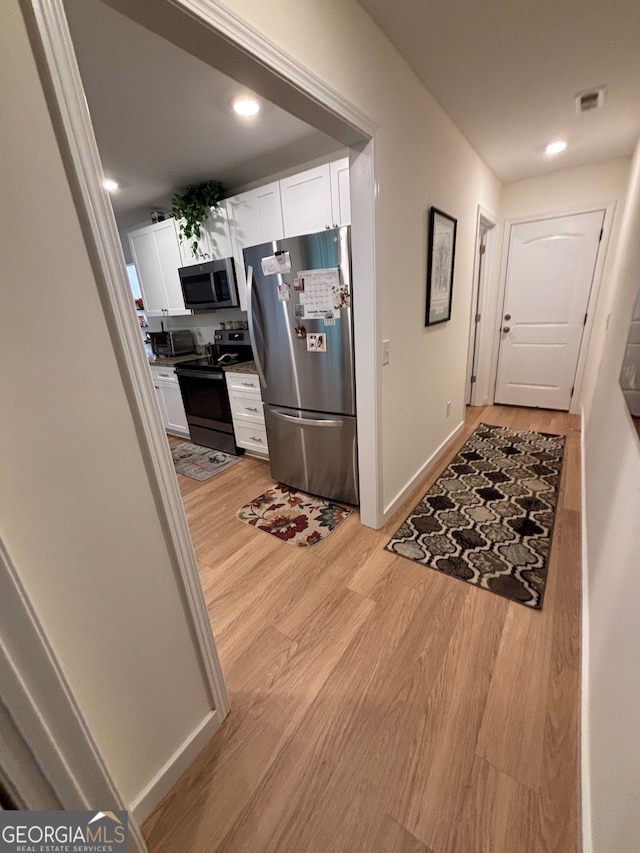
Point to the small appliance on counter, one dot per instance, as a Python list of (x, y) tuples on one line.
[(209, 285), (204, 390), (172, 344)]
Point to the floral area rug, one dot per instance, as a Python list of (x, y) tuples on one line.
[(295, 517), (200, 463), (488, 519)]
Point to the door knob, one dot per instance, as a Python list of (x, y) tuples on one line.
[(506, 329), (507, 316)]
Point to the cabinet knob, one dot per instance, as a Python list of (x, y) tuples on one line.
[(507, 316), (255, 438), (251, 408), (506, 329)]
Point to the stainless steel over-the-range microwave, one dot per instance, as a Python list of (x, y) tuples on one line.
[(209, 285)]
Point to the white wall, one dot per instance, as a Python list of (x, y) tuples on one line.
[(557, 191), (421, 160), (612, 487), (78, 514)]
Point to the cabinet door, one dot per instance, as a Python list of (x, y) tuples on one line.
[(147, 263), (306, 201), (256, 216), (166, 240), (156, 254), (214, 242), (187, 256), (268, 203), (340, 193), (172, 407), (219, 234), (253, 217)]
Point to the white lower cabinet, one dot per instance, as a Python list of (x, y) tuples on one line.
[(247, 412), (170, 400)]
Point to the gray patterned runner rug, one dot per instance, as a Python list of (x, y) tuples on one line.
[(488, 518)]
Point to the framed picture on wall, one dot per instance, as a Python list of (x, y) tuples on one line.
[(441, 257)]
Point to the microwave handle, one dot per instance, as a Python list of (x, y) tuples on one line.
[(256, 357)]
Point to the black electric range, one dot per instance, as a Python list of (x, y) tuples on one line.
[(204, 390)]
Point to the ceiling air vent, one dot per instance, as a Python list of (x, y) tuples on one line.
[(590, 100)]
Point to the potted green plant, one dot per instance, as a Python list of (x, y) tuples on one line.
[(193, 206)]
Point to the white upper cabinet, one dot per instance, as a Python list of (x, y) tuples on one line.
[(157, 258), (214, 243), (306, 201), (310, 201), (255, 216), (340, 193)]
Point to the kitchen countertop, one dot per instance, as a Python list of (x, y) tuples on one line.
[(162, 361), (243, 367), (166, 361)]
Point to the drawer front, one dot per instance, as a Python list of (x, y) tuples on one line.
[(163, 374), (252, 437), (243, 382), (247, 406)]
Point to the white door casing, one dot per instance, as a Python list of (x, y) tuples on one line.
[(477, 390), (551, 265)]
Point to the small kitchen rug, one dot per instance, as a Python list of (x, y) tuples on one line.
[(488, 519), (200, 463), (295, 517)]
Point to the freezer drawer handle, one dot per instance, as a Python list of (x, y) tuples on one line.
[(307, 421)]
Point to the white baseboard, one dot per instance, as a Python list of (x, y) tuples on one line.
[(170, 772), (421, 473), (585, 750)]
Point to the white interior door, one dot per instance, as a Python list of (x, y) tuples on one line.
[(550, 270)]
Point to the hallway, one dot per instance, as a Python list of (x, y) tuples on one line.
[(376, 705)]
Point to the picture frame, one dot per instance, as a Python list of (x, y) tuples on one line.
[(440, 266)]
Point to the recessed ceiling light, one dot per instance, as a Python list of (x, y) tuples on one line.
[(110, 185), (555, 147), (246, 106)]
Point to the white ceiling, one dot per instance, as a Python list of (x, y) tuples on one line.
[(163, 118), (508, 71)]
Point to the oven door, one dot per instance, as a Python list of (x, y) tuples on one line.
[(205, 397)]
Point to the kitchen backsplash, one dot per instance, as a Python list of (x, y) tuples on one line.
[(208, 321)]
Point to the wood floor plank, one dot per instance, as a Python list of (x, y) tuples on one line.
[(440, 747), (394, 838), (330, 759), (498, 815), (559, 800), (519, 692), (363, 686)]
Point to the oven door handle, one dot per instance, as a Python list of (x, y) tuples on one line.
[(202, 374)]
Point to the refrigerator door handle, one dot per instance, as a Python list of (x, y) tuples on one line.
[(307, 421), (256, 357)]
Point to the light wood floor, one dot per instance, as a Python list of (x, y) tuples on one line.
[(378, 705)]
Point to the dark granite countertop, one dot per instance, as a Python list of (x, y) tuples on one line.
[(243, 367), (166, 361)]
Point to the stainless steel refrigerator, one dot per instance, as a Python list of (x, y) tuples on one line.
[(300, 320)]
